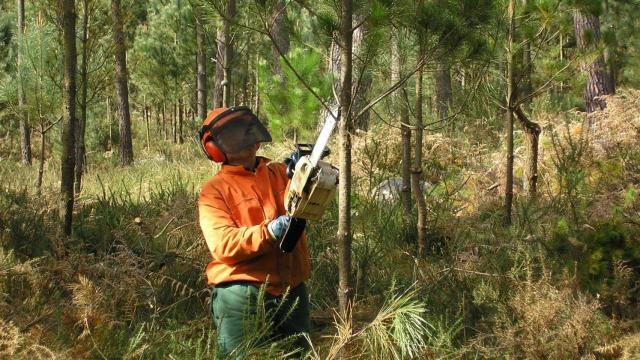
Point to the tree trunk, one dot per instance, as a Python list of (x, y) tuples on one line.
[(219, 71), (403, 118), (41, 160), (201, 61), (81, 124), (146, 115), (443, 89), (416, 177), (609, 59), (126, 146), (256, 106), (527, 67), (508, 189), (532, 131), (68, 115), (174, 123), (227, 90), (363, 74), (164, 121), (109, 122), (345, 291), (25, 130), (280, 35), (180, 120), (598, 81)]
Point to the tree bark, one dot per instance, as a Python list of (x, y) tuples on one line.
[(164, 121), (180, 120), (146, 115), (280, 35), (587, 26), (527, 67), (174, 123), (363, 74), (126, 146), (219, 71), (508, 189), (201, 61), (532, 131), (403, 118), (416, 177), (68, 115), (227, 90), (81, 124), (109, 122), (25, 129), (443, 89), (41, 160), (345, 290)]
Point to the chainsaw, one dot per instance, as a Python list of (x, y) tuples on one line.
[(312, 186)]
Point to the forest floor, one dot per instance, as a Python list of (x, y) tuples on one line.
[(563, 281)]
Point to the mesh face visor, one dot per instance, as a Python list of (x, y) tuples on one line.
[(238, 130)]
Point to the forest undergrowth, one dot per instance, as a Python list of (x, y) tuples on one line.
[(562, 282)]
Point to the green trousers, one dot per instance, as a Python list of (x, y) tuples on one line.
[(244, 319)]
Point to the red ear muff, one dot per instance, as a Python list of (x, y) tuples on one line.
[(213, 152)]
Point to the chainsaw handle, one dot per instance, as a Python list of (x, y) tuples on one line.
[(292, 234)]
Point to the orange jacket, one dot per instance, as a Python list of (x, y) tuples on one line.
[(235, 207)]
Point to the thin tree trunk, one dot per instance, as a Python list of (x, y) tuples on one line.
[(146, 121), (219, 71), (180, 120), (532, 131), (25, 130), (345, 290), (126, 146), (256, 106), (403, 119), (508, 189), (527, 67), (587, 26), (608, 58), (280, 35), (201, 61), (68, 115), (443, 89), (363, 75), (41, 160), (81, 124), (417, 166), (174, 123), (109, 122), (164, 121), (227, 91)]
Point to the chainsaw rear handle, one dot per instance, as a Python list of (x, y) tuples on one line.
[(292, 234)]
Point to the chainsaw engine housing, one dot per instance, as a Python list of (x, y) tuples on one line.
[(311, 189)]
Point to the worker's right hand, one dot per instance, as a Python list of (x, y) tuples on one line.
[(278, 227)]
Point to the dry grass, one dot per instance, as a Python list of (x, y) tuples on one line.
[(544, 321)]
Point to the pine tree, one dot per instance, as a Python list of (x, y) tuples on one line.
[(68, 115), (122, 86)]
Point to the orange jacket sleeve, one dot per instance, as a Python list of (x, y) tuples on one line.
[(228, 242)]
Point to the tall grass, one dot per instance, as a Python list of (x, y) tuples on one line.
[(562, 282)]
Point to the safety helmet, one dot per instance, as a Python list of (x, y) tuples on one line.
[(229, 130)]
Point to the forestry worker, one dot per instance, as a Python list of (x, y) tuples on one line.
[(242, 216)]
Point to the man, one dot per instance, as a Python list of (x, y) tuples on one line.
[(243, 219)]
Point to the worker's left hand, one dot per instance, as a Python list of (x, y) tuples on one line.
[(278, 227), (291, 162)]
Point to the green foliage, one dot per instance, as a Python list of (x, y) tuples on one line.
[(288, 105), (606, 245)]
